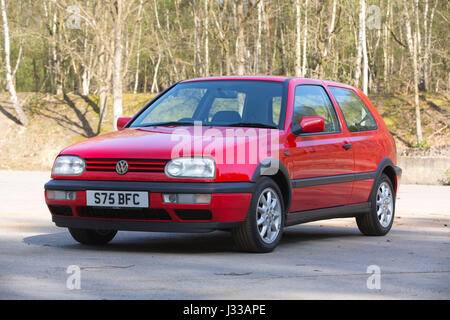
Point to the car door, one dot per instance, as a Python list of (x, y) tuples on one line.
[(321, 166), (366, 143)]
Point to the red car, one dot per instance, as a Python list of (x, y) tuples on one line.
[(252, 155)]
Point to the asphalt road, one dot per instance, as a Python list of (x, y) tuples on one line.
[(320, 260)]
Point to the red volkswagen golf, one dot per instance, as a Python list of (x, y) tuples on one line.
[(252, 155)]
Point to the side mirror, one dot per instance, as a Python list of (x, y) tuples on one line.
[(122, 122), (311, 125)]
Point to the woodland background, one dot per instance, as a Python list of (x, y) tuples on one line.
[(69, 68)]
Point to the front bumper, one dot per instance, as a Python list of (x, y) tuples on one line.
[(227, 209), (153, 226)]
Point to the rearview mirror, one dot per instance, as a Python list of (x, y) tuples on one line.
[(311, 125), (122, 122)]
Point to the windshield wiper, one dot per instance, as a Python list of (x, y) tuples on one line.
[(252, 125), (170, 123)]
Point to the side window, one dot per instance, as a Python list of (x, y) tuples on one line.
[(313, 101), (276, 109), (356, 114)]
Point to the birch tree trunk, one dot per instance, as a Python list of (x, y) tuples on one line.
[(56, 55), (138, 54), (155, 87), (331, 29), (298, 53), (197, 55), (206, 40), (363, 43), (305, 39), (428, 26), (412, 47), (117, 66), (283, 44), (257, 65), (9, 77), (138, 57), (240, 40), (386, 48), (359, 53)]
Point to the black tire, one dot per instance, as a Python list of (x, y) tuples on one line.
[(247, 236), (369, 223), (92, 237)]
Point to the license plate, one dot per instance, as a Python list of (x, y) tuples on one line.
[(128, 199)]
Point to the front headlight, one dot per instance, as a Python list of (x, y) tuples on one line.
[(196, 167), (68, 166)]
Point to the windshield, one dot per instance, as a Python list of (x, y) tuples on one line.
[(217, 103)]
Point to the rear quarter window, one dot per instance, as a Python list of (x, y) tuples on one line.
[(356, 114)]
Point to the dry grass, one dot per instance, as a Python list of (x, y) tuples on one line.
[(55, 123), (399, 114)]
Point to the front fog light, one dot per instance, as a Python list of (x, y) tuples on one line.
[(61, 195), (187, 198)]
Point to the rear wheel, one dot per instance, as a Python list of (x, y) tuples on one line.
[(379, 220), (262, 230), (92, 237)]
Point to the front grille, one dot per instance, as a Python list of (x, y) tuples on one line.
[(193, 214), (61, 210), (134, 165), (125, 213)]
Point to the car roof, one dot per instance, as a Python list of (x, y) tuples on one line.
[(271, 78), (260, 78)]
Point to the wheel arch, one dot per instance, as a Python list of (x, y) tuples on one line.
[(387, 167), (276, 170)]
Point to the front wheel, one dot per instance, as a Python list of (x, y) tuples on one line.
[(379, 220), (262, 230), (92, 237)]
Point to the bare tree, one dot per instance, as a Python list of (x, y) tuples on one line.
[(138, 54), (305, 39), (298, 54), (9, 75), (117, 66), (412, 38), (240, 40), (363, 43), (206, 23)]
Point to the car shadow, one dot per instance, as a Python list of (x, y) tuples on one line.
[(126, 241), (305, 233), (187, 243)]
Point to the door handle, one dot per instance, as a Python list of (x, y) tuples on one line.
[(347, 146)]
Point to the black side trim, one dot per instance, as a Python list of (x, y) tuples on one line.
[(349, 211), (318, 181), (398, 171), (156, 226), (172, 187)]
